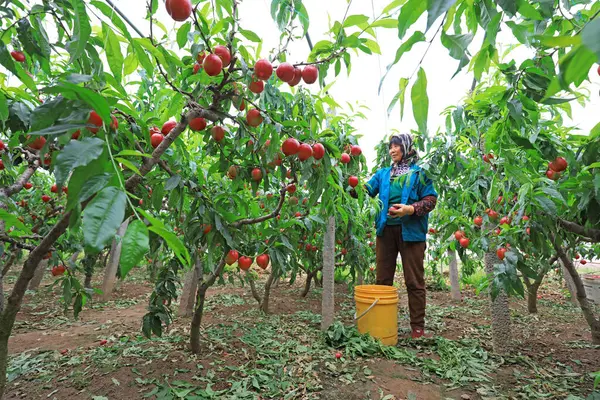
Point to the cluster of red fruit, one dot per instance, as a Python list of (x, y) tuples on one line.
[(93, 119), (58, 270), (556, 167), (245, 262), (462, 239), (292, 147), (354, 150), (214, 62)]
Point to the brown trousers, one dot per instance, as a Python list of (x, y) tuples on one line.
[(413, 254)]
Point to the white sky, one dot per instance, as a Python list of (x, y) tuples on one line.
[(361, 86)]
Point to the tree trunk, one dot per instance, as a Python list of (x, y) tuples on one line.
[(197, 320), (309, 278), (328, 299), (253, 289), (532, 290), (264, 305), (569, 282), (186, 305), (584, 303), (34, 283), (9, 262), (454, 282), (360, 278), (110, 273), (501, 332)]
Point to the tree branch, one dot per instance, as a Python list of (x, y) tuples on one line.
[(593, 235), (251, 221)]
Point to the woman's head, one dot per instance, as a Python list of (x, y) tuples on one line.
[(401, 147)]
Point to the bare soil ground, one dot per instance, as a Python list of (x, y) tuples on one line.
[(283, 354)]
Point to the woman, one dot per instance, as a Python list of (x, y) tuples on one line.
[(407, 196)]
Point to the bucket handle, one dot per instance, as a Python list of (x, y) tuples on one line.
[(367, 310)]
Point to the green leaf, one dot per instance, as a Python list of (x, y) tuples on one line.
[(481, 62), (457, 44), (389, 23), (3, 108), (590, 35), (46, 114), (113, 16), (173, 182), (81, 30), (26, 38), (76, 153), (7, 60), (102, 217), (435, 8), (575, 66), (12, 220), (97, 102), (182, 34), (409, 14), (510, 6), (528, 11), (136, 243), (302, 16), (420, 101), (84, 184), (392, 5), (112, 46), (416, 37), (57, 129), (352, 20), (174, 244), (251, 36), (558, 41)]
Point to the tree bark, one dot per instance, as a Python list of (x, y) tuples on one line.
[(309, 278), (584, 303), (569, 282), (328, 296), (253, 290), (264, 305), (186, 305), (454, 282), (38, 275), (110, 273), (9, 262), (501, 332), (532, 291)]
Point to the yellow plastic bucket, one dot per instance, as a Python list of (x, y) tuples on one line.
[(377, 312)]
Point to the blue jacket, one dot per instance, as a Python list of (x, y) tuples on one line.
[(417, 186)]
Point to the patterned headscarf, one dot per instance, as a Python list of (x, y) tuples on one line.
[(409, 155)]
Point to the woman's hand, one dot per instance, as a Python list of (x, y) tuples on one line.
[(400, 210)]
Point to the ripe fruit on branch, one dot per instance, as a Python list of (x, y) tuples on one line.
[(431, 230), (493, 215), (196, 68), (504, 220), (310, 73), (179, 10), (318, 151), (257, 86), (2, 145), (168, 127), (232, 172), (253, 118), (583, 262), (256, 174), (94, 119), (344, 251), (38, 143), (76, 134), (245, 263), (464, 242), (355, 151), (206, 228), (304, 152), (263, 69), (1, 165), (297, 77), (293, 200), (217, 132), (291, 188), (212, 65), (290, 147), (478, 220), (353, 181), (459, 235), (45, 198), (232, 257), (114, 125), (298, 215), (345, 159), (488, 157), (198, 124), (156, 139), (18, 56), (54, 188), (285, 72), (559, 164), (58, 270), (224, 55), (263, 261), (27, 185), (501, 252), (550, 174), (524, 218)]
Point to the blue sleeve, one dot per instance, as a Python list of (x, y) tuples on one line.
[(373, 185), (426, 186)]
